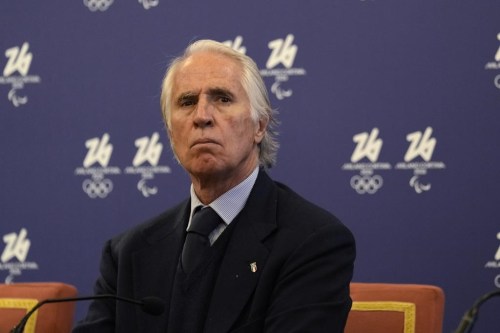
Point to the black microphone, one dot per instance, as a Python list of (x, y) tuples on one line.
[(151, 305), (470, 315)]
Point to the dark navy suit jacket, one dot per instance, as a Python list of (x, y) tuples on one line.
[(287, 268)]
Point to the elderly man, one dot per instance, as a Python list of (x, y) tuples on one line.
[(243, 253)]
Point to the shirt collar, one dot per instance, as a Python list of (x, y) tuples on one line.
[(230, 203)]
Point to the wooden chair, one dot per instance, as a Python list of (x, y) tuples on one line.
[(17, 299), (395, 308)]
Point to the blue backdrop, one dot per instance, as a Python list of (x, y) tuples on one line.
[(389, 117)]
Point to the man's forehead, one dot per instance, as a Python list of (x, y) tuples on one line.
[(203, 76), (211, 64)]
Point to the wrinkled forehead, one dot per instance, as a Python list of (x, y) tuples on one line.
[(204, 70)]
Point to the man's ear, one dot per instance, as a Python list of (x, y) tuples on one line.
[(260, 129)]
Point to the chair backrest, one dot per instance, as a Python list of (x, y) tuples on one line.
[(395, 308), (17, 299)]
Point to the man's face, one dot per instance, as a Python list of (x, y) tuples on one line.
[(212, 132)]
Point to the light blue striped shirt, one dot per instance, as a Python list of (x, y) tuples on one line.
[(227, 205)]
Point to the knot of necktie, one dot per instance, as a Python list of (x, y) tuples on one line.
[(205, 220)]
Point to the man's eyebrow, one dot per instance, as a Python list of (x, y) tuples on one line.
[(186, 95), (217, 91)]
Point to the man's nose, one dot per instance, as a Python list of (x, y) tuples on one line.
[(204, 113)]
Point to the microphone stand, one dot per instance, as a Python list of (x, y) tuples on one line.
[(150, 305), (470, 316)]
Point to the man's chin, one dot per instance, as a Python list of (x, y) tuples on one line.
[(206, 167)]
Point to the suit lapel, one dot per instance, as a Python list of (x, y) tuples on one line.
[(245, 253), (155, 264)]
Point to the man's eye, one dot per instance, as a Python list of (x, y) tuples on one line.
[(223, 99), (185, 102)]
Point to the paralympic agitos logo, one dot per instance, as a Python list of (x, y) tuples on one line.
[(15, 253), (16, 73)]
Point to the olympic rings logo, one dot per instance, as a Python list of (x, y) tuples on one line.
[(366, 184), (97, 188), (95, 5)]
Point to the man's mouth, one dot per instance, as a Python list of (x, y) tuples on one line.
[(203, 142)]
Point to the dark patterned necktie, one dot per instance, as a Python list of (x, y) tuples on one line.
[(197, 243)]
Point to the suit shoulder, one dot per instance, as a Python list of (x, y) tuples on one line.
[(297, 212), (152, 229)]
